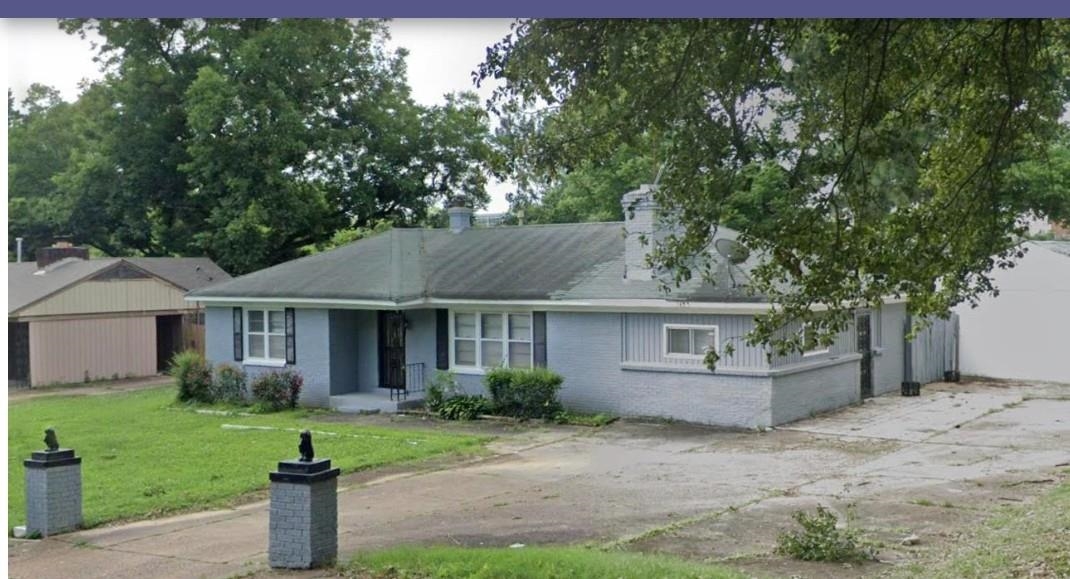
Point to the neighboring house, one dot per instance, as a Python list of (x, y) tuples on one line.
[(73, 319), (1024, 332), (382, 314)]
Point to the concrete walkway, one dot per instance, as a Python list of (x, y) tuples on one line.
[(614, 485)]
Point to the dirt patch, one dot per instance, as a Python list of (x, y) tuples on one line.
[(89, 388)]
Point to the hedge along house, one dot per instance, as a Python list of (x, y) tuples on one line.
[(74, 319), (372, 320)]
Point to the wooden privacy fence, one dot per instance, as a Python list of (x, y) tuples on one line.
[(933, 350)]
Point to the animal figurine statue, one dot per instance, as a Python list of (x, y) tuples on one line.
[(51, 443), (307, 453)]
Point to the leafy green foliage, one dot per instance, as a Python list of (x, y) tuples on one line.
[(524, 392), (463, 407), (229, 384), (860, 159), (193, 375), (277, 390), (247, 140), (821, 540), (446, 399)]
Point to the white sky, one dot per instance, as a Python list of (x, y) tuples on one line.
[(442, 55)]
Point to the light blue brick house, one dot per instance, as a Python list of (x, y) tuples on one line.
[(370, 322)]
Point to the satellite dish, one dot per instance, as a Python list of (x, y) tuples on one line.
[(732, 250)]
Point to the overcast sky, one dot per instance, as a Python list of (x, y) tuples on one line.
[(442, 56)]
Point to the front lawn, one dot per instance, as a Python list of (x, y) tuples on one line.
[(143, 456), (526, 563)]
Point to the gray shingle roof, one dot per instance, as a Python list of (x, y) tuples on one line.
[(540, 262), (26, 285)]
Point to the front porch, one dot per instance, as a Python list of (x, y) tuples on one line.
[(385, 399)]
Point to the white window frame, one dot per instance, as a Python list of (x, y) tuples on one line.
[(815, 352), (479, 368), (691, 340), (266, 360)]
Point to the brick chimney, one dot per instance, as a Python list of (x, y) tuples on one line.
[(460, 214), (640, 224), (61, 249)]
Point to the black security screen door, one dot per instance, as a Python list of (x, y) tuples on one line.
[(865, 347), (391, 350)]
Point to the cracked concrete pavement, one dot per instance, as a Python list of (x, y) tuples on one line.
[(646, 486)]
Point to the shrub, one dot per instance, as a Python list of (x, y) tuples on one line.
[(443, 386), (277, 390), (821, 540), (230, 384), (463, 407), (524, 393), (193, 376)]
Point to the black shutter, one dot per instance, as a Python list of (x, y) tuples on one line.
[(237, 335), (442, 339), (538, 331), (291, 336), (381, 346)]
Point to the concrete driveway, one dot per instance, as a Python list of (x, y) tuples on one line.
[(924, 465)]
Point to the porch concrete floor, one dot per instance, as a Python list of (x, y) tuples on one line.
[(357, 402)]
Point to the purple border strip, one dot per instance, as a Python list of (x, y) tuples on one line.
[(540, 8)]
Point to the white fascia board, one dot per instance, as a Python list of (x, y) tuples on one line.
[(619, 305)]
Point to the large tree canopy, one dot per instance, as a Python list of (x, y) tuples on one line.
[(246, 140), (876, 154)]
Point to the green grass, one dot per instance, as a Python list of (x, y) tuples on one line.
[(144, 456), (1026, 541), (525, 563), (582, 419)]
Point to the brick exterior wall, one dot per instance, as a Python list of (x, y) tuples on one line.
[(802, 394), (303, 524), (313, 349), (585, 348), (53, 499)]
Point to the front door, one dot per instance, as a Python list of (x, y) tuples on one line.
[(865, 348), (391, 350)]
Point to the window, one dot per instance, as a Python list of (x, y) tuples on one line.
[(811, 347), (265, 336), (487, 340), (687, 341)]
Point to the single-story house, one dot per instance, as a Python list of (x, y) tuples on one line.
[(1024, 332), (73, 319), (379, 316)]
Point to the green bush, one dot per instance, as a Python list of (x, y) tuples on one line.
[(443, 386), (277, 390), (229, 385), (524, 393), (463, 407), (193, 376), (821, 540)]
